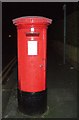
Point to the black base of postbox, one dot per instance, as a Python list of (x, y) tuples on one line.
[(32, 103)]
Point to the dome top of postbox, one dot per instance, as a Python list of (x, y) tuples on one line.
[(32, 20)]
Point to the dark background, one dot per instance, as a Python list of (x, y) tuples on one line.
[(52, 10)]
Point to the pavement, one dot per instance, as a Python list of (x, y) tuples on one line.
[(61, 96)]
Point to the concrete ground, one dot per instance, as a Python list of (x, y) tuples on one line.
[(62, 91)]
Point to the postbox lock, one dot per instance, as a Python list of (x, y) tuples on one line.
[(41, 66)]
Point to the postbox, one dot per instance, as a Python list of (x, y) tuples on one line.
[(31, 48)]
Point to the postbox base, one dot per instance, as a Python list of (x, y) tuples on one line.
[(32, 103)]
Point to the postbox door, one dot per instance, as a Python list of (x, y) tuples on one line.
[(32, 61)]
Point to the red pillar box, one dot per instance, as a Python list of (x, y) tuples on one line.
[(32, 89)]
